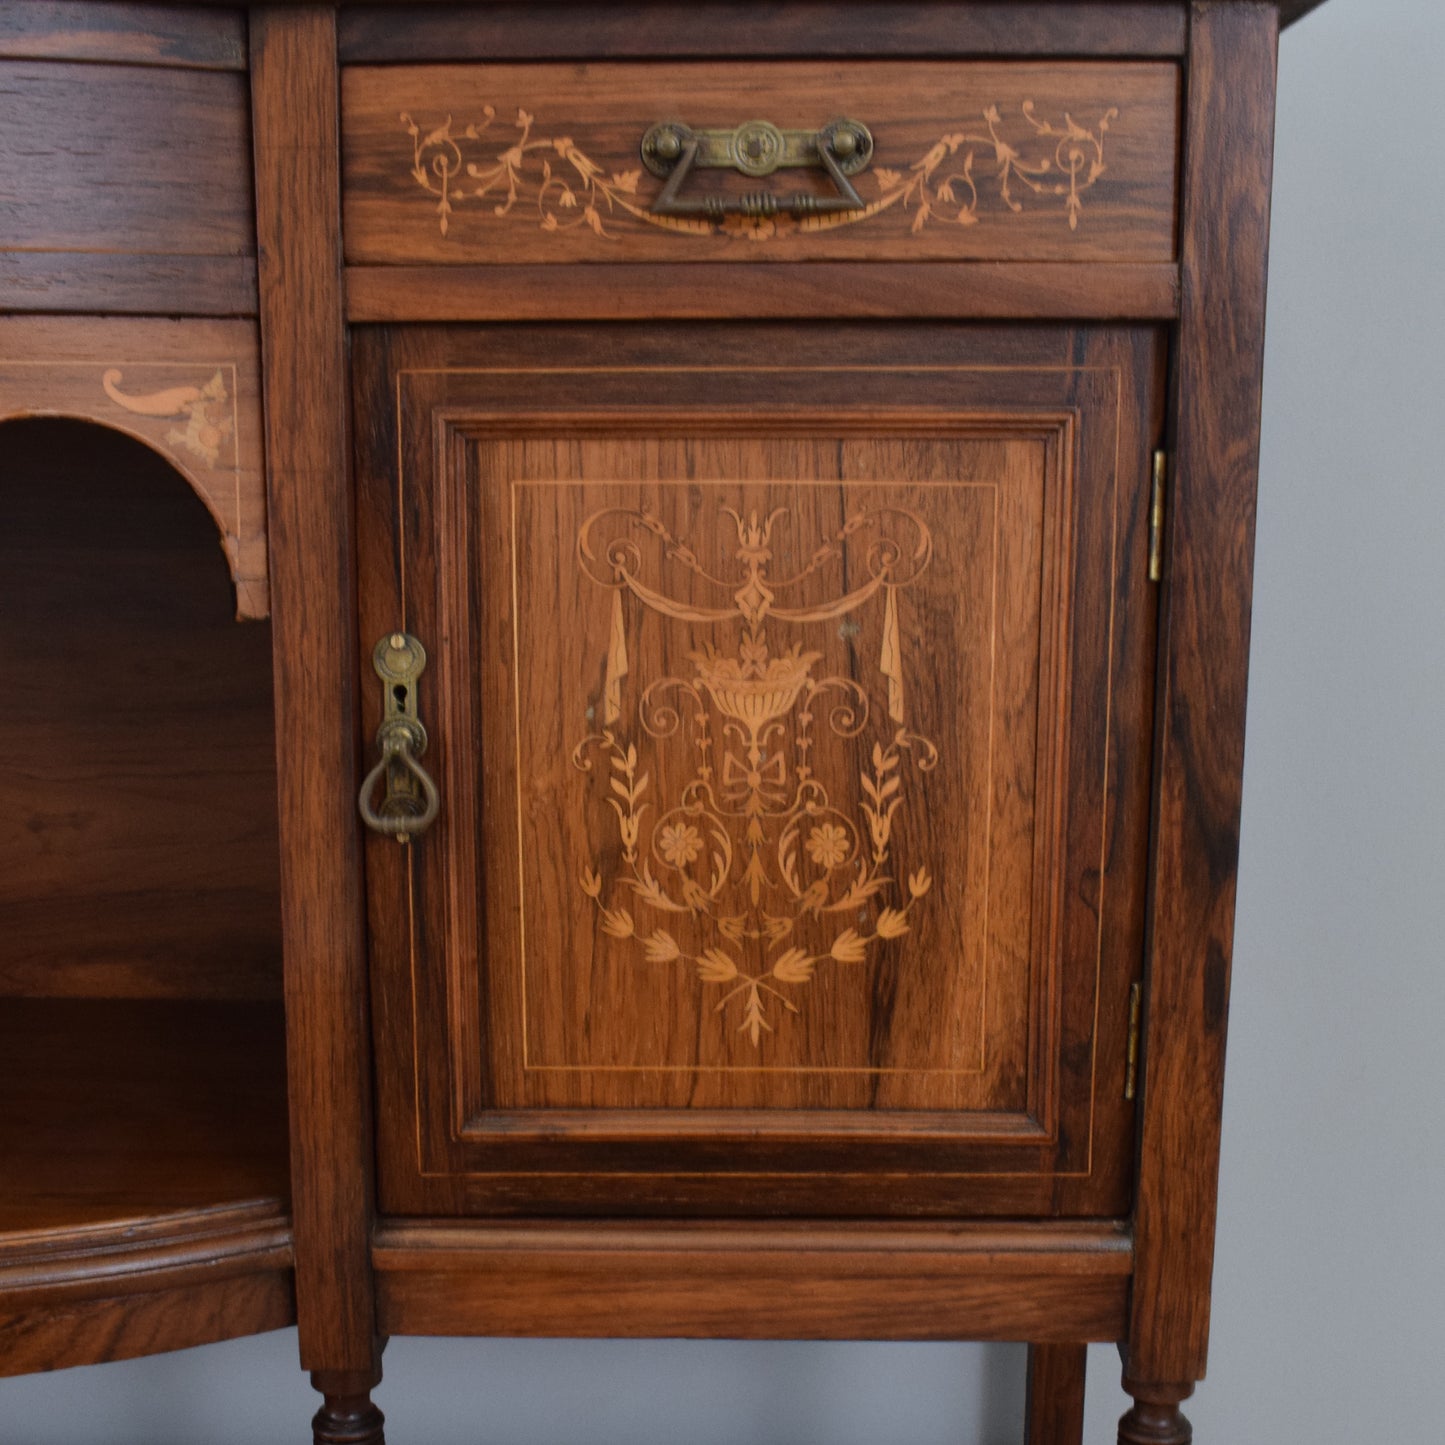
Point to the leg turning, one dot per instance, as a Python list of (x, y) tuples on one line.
[(1156, 1418), (347, 1416)]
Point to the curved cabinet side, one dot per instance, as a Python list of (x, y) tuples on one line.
[(87, 1296)]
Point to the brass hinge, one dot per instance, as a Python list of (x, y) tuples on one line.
[(1156, 515), (1131, 1057)]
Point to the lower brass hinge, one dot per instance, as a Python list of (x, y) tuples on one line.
[(1156, 515), (1131, 1057)]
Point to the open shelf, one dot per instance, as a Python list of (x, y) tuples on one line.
[(122, 1112), (144, 1190)]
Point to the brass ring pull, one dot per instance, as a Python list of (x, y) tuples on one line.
[(756, 148), (412, 801)]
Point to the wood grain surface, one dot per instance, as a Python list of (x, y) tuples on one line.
[(862, 29), (748, 422), (310, 512), (118, 284), (135, 34), (1006, 290), (754, 1281), (1204, 651), (122, 1112), (124, 158), (61, 1335), (483, 164), (1054, 1405), (142, 856), (190, 390)]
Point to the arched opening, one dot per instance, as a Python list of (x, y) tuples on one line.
[(140, 972)]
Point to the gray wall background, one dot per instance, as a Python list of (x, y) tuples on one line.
[(1329, 1314)]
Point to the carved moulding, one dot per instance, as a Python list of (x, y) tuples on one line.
[(188, 389)]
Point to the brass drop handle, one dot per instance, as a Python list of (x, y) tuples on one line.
[(411, 801), (673, 151)]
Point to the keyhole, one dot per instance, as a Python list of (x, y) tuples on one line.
[(399, 693)]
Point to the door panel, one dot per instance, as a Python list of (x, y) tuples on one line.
[(790, 717)]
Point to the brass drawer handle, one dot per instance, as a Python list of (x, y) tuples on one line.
[(411, 803), (756, 148)]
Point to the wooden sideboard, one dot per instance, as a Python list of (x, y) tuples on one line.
[(753, 506)]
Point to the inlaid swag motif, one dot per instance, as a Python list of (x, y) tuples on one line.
[(750, 873), (1021, 160)]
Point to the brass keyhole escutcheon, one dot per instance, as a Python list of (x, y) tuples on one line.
[(410, 802)]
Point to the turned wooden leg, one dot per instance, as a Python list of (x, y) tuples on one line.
[(346, 1416), (1055, 1407), (1155, 1418)]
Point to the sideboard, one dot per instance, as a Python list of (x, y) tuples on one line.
[(699, 795)]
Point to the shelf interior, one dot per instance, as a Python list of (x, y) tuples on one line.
[(142, 1041), (117, 1111)]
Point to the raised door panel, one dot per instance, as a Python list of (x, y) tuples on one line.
[(790, 718)]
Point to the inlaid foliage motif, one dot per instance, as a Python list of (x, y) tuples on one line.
[(1013, 160), (750, 870)]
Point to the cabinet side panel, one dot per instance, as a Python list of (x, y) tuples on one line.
[(1203, 658)]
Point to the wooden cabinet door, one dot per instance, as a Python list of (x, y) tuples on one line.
[(789, 696)]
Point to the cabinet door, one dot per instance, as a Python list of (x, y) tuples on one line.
[(789, 697)]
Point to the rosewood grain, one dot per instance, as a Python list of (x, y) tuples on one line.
[(1054, 1406), (1006, 290), (940, 1163), (310, 518), (862, 29), (130, 33), (122, 1111), (143, 1204), (121, 285), (496, 164), (124, 158), (57, 1336), (754, 1281), (142, 856), (1204, 651)]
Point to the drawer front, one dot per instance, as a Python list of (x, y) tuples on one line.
[(790, 712), (468, 164)]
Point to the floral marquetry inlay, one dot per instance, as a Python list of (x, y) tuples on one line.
[(1009, 159), (750, 870)]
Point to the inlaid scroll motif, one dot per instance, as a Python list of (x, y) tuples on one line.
[(1023, 159), (205, 412), (750, 870)]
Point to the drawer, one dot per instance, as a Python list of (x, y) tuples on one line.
[(708, 161)]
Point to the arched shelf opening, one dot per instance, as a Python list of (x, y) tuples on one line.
[(142, 1101), (189, 391)]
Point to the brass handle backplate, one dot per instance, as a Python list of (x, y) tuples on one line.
[(756, 148), (411, 801)]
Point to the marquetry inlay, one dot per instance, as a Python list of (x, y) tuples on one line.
[(986, 163), (204, 412), (721, 872)]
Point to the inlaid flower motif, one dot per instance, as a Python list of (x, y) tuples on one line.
[(828, 845), (680, 844)]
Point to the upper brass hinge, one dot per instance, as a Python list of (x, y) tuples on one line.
[(1156, 515), (1131, 1056)]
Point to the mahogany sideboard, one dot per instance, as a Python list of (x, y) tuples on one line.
[(700, 794)]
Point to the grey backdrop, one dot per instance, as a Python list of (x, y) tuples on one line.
[(1329, 1315)]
